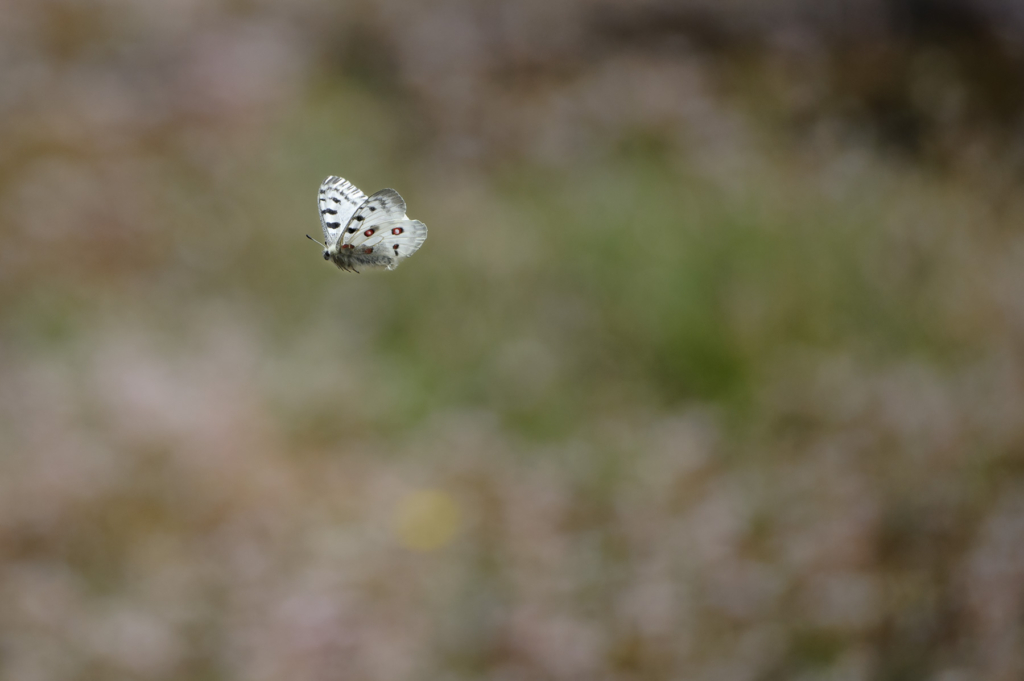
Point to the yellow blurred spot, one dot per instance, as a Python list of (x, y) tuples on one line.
[(426, 520)]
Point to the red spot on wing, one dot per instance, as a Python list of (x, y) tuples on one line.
[(347, 246), (368, 251), (369, 232), (396, 231)]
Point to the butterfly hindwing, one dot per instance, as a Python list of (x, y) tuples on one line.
[(339, 200), (395, 240), (402, 238)]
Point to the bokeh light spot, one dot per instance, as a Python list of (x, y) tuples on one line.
[(427, 520)]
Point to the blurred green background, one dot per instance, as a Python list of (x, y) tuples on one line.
[(711, 368)]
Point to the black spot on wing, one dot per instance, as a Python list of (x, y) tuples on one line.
[(333, 224), (330, 211)]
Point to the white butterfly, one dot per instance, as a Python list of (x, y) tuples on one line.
[(368, 232)]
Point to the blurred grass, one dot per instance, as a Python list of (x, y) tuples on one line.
[(635, 279), (552, 293)]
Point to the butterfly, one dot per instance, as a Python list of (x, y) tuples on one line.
[(366, 232)]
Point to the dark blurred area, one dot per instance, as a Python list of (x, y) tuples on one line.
[(711, 367)]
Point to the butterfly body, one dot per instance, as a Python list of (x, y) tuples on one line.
[(366, 232)]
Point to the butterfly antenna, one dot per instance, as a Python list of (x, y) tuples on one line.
[(314, 240)]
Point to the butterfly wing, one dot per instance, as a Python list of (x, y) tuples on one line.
[(381, 228), (384, 206), (375, 233), (402, 238), (339, 201), (390, 242)]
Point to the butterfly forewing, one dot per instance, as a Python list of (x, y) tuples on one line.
[(384, 206), (339, 200)]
